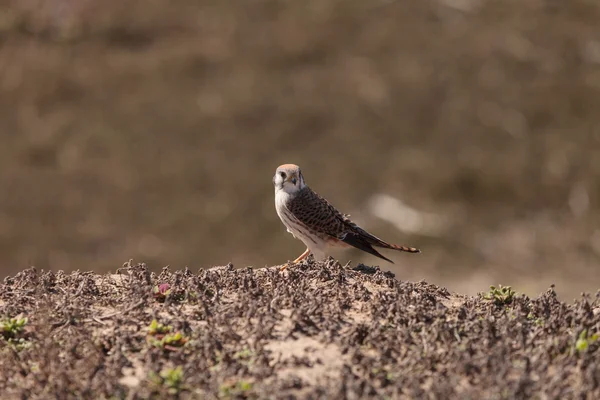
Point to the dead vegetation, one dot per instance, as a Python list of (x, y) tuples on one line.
[(319, 330)]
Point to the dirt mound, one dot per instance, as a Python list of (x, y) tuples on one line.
[(319, 330)]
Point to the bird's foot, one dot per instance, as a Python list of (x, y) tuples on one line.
[(296, 261), (302, 256), (284, 266)]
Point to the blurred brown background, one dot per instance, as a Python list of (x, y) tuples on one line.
[(151, 130)]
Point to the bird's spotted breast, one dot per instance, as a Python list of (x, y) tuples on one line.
[(297, 228)]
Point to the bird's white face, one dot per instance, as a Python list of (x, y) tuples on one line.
[(288, 178)]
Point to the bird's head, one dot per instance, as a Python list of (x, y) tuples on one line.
[(288, 178)]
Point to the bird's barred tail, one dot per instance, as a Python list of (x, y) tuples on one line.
[(404, 248)]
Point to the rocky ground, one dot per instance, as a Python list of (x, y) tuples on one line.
[(317, 330)]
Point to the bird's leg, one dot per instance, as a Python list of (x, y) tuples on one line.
[(297, 260), (302, 256)]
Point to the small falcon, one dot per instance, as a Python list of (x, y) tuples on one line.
[(310, 218)]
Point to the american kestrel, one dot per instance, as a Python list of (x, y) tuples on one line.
[(319, 225)]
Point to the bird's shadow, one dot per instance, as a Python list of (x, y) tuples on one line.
[(371, 270)]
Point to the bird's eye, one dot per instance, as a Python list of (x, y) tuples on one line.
[(283, 175), (294, 181)]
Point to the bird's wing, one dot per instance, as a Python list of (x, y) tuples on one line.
[(319, 215)]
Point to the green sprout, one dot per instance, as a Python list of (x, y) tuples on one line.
[(584, 340), (536, 321), (157, 328), (12, 329), (171, 379), (162, 336), (163, 290), (244, 355), (173, 340), (500, 295), (235, 389)]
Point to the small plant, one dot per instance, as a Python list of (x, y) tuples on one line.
[(173, 340), (500, 295), (160, 292), (163, 290), (244, 354), (34, 366), (12, 327), (157, 328), (162, 336), (585, 340), (170, 379), (12, 330), (19, 344), (383, 372), (537, 321), (235, 389), (216, 366)]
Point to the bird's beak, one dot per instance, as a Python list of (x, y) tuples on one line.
[(290, 177)]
